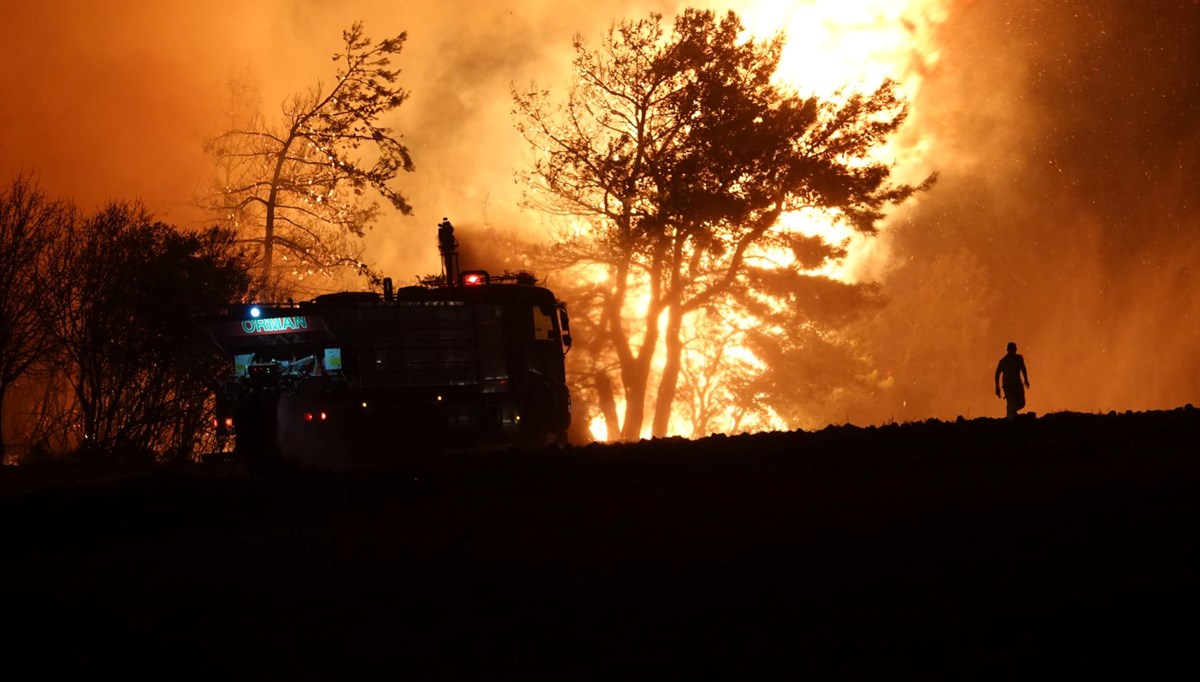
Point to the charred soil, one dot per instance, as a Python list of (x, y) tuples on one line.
[(1062, 544)]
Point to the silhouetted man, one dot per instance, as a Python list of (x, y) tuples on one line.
[(1012, 368)]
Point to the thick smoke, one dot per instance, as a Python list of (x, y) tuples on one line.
[(111, 100), (114, 100), (1065, 219)]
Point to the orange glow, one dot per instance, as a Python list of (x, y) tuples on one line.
[(1065, 216), (837, 47), (833, 48)]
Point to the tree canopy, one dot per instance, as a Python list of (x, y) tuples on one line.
[(297, 188), (676, 154)]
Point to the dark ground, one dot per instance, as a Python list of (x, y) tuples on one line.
[(1053, 546)]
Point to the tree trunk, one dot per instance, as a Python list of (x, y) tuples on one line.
[(670, 376), (272, 200), (269, 236), (608, 405), (610, 322), (665, 398), (3, 452), (635, 372), (636, 376), (635, 401), (635, 367), (268, 244)]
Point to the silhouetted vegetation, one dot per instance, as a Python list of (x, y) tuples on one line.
[(298, 186), (97, 317), (122, 315), (677, 156), (29, 222)]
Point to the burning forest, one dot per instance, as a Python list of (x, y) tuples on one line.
[(732, 292), (1063, 141)]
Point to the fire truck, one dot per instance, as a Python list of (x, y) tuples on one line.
[(465, 360)]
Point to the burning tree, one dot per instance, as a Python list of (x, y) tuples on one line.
[(679, 155), (299, 186)]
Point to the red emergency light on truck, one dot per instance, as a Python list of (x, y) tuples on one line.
[(366, 377)]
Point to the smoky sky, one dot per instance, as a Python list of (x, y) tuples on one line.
[(1065, 134), (114, 100)]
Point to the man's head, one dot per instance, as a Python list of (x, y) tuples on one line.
[(1012, 347)]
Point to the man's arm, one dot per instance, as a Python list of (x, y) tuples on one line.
[(998, 366), (1024, 373)]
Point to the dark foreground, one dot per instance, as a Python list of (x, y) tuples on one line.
[(1063, 545)]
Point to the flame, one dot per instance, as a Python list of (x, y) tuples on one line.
[(833, 48), (854, 45)]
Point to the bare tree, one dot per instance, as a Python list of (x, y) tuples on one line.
[(29, 223), (297, 188), (681, 155)]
